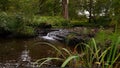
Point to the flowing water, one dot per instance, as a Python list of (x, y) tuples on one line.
[(22, 52), (16, 51)]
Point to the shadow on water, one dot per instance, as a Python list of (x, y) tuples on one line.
[(16, 50)]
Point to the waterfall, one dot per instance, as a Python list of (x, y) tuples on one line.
[(48, 36), (57, 35)]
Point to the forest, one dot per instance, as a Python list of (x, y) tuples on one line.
[(60, 33)]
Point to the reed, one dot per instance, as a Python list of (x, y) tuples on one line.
[(92, 56)]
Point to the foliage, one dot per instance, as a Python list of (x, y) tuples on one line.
[(65, 58), (4, 5), (3, 20), (49, 7), (101, 21), (76, 23), (25, 31), (102, 11), (14, 24), (92, 55), (54, 21)]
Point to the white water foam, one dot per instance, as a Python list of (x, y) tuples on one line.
[(47, 37)]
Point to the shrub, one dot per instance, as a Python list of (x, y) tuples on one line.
[(54, 21), (10, 22), (76, 23), (4, 20), (91, 57), (15, 24), (102, 21), (25, 31)]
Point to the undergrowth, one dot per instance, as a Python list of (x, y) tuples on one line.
[(95, 54)]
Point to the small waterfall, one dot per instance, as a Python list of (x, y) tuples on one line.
[(56, 35), (51, 35), (48, 36)]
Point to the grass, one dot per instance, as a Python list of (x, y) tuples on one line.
[(105, 58), (62, 52), (95, 54)]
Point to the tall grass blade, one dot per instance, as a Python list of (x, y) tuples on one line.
[(75, 48), (39, 60), (88, 47), (51, 46), (96, 49), (67, 51), (102, 56), (96, 55), (118, 56), (49, 59), (67, 60), (115, 49)]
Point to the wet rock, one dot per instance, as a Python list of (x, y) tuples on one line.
[(44, 32), (58, 35), (70, 38)]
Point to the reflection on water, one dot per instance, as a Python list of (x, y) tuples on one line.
[(17, 50)]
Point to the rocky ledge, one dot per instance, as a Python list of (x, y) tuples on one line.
[(70, 36)]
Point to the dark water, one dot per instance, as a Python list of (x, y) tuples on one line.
[(11, 49)]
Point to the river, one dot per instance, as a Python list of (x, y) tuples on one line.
[(11, 49)]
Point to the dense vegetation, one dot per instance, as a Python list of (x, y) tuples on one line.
[(29, 13), (23, 17)]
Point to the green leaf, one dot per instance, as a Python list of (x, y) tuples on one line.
[(67, 60)]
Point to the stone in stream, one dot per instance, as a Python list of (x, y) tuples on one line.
[(70, 38), (58, 35)]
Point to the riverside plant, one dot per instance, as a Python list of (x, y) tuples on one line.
[(92, 56), (66, 59), (95, 57)]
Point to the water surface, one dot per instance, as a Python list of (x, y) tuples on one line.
[(12, 48)]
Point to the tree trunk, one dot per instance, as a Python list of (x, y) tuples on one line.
[(90, 11), (65, 9)]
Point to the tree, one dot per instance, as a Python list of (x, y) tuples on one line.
[(65, 8), (90, 10), (4, 4), (49, 7)]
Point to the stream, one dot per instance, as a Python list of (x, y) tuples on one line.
[(21, 53)]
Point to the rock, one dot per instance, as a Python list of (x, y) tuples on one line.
[(58, 35), (70, 38), (44, 32)]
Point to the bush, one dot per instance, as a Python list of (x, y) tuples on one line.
[(3, 21), (14, 24), (11, 22), (25, 31), (76, 23), (54, 21), (102, 21)]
